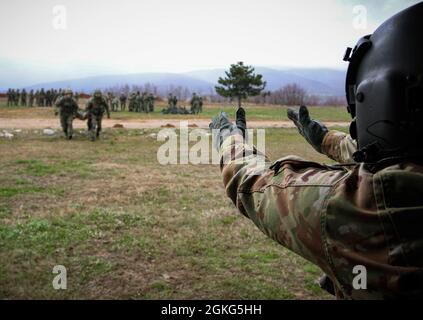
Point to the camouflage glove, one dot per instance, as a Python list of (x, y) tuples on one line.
[(222, 128), (313, 131)]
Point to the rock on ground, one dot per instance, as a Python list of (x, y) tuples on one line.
[(49, 132)]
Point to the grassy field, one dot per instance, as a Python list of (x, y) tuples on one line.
[(254, 113), (126, 227)]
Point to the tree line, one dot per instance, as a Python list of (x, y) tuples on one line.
[(239, 84)]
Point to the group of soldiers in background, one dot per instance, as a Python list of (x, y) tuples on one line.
[(141, 102), (136, 101), (39, 98), (67, 108), (172, 108)]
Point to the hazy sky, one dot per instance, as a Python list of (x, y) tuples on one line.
[(129, 36)]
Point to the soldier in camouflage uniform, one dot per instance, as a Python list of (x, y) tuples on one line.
[(9, 97), (31, 98), (17, 97), (67, 108), (24, 98), (195, 104), (13, 97), (365, 211), (139, 102), (49, 98), (41, 98), (96, 107), (150, 102), (132, 98), (172, 102), (144, 103), (123, 99), (109, 98), (36, 97), (115, 104)]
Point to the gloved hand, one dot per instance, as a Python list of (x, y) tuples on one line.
[(222, 128), (313, 131)]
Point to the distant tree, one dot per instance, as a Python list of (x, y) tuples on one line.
[(293, 95), (313, 100), (186, 93), (240, 83)]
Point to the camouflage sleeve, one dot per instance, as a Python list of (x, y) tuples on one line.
[(284, 199), (339, 146)]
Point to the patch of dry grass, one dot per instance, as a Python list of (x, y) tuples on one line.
[(126, 227)]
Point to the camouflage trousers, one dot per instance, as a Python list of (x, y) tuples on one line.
[(66, 121), (94, 126), (195, 108)]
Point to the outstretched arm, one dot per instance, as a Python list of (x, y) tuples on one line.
[(284, 199)]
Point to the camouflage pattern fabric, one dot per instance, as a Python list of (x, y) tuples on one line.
[(115, 104), (68, 109), (31, 98), (132, 102), (195, 104), (150, 102), (17, 97), (41, 98), (122, 99), (9, 97), (339, 147), (96, 107), (337, 217), (23, 98), (66, 121)]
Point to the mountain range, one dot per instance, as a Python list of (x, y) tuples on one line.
[(321, 82)]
